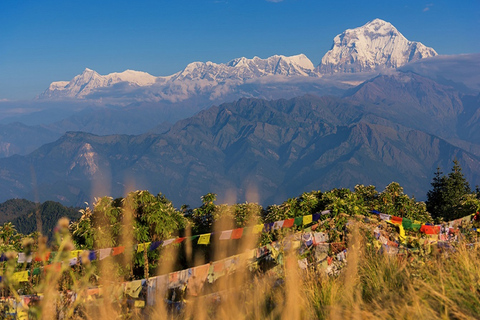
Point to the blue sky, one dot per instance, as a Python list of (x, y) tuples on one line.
[(45, 41)]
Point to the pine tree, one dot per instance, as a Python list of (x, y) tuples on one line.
[(436, 197), (444, 200)]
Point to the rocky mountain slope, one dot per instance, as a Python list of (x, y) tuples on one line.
[(259, 150)]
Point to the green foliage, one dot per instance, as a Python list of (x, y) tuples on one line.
[(444, 201)]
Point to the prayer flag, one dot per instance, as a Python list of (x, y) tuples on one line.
[(139, 304), (307, 219), (154, 245), (237, 233), (133, 288), (396, 219), (21, 276), (22, 257), (142, 246), (288, 223), (218, 267), (103, 253), (118, 250), (407, 223), (167, 242), (384, 216), (75, 253), (298, 221), (257, 228), (316, 217), (226, 235), (278, 225), (204, 239), (179, 240)]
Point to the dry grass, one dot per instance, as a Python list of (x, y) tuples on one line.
[(371, 285)]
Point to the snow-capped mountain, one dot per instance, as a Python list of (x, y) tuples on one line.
[(371, 47), (195, 78), (89, 81), (377, 44)]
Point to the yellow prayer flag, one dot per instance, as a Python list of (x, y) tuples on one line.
[(257, 228), (139, 304), (402, 233), (204, 239), (143, 246), (307, 219), (21, 276), (75, 253)]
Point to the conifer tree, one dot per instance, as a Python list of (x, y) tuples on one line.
[(444, 200), (436, 197)]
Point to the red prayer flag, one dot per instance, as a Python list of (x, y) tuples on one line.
[(118, 250), (396, 219), (178, 240), (430, 229), (45, 257), (237, 233), (288, 223)]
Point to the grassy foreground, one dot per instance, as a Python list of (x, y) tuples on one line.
[(430, 283)]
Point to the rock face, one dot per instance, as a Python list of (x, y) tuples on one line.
[(377, 44)]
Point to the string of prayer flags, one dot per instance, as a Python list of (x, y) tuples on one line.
[(204, 239), (307, 219)]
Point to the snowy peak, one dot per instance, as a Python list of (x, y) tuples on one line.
[(243, 68), (196, 78), (89, 81), (377, 44)]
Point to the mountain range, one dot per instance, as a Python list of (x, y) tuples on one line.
[(378, 108)]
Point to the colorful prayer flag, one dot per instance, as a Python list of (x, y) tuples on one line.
[(237, 233), (226, 235), (307, 219), (257, 228), (204, 239), (298, 221), (118, 250)]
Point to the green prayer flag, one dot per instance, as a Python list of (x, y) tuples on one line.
[(298, 221), (407, 223)]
